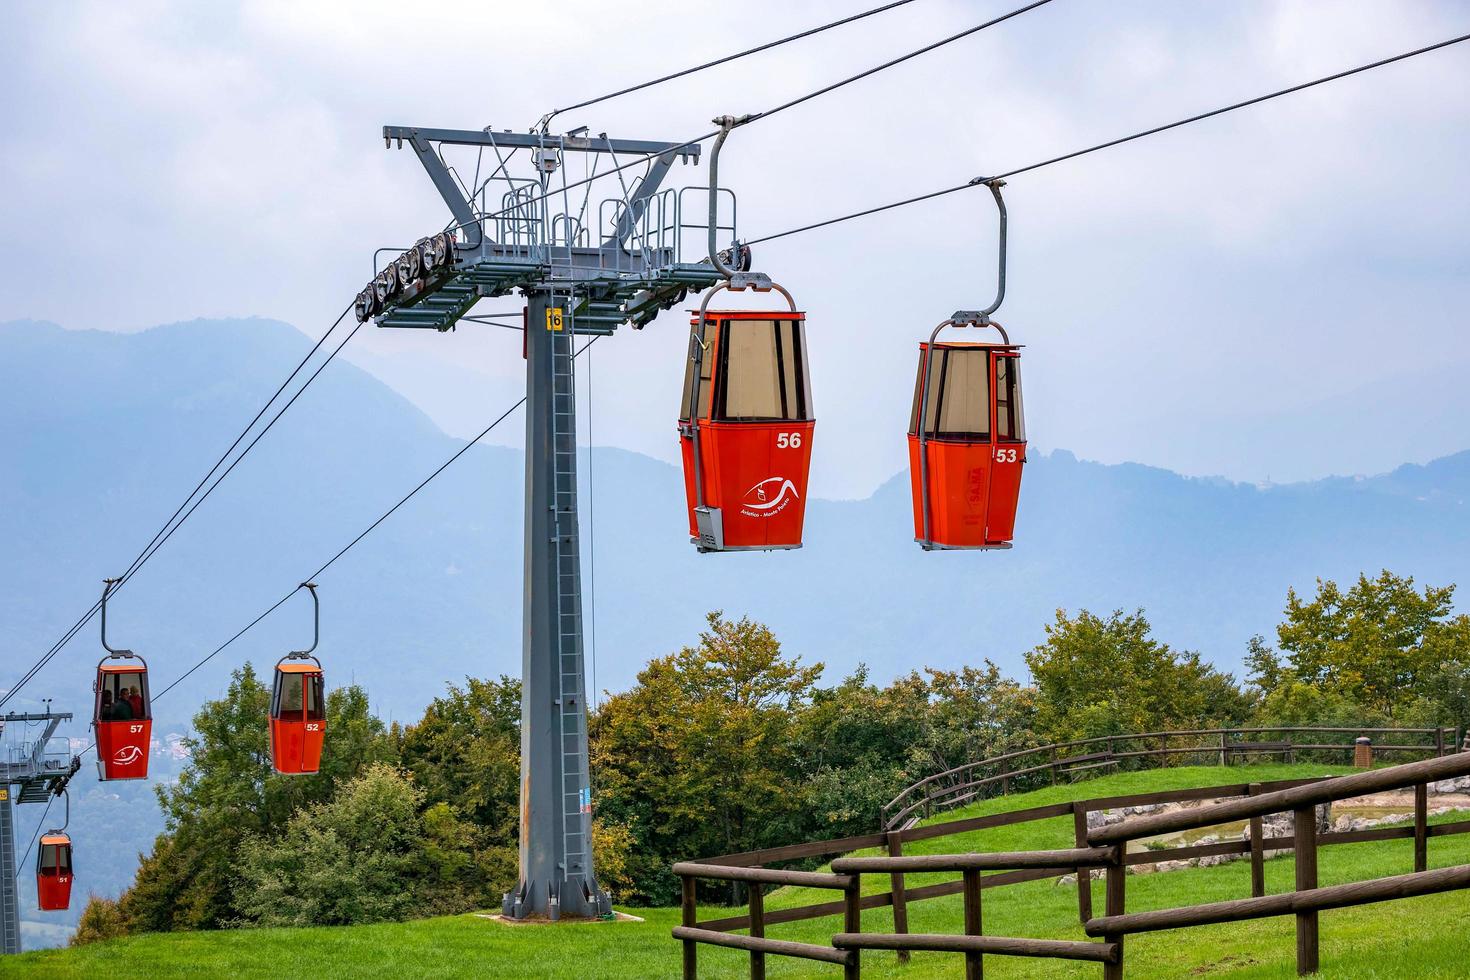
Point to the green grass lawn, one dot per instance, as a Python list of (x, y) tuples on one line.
[(1422, 937)]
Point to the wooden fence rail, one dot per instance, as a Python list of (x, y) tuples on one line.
[(1043, 764), (1103, 847)]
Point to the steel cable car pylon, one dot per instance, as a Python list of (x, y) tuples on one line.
[(746, 421), (122, 715), (298, 711), (967, 440)]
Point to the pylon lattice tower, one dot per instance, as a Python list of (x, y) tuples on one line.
[(582, 274)]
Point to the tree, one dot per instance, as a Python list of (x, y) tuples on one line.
[(697, 758), (1375, 644), (229, 791), (1109, 676), (361, 857), (465, 753)]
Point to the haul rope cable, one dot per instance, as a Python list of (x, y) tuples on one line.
[(979, 181), (20, 865), (646, 158), (546, 119), (351, 544), (170, 526)]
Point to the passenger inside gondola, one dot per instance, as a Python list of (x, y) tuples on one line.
[(122, 696)]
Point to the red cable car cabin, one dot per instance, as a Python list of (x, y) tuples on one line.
[(298, 717), (122, 717), (748, 445), (965, 466), (53, 872)]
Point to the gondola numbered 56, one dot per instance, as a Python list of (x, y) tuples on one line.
[(746, 428), (746, 424), (298, 711), (122, 715)]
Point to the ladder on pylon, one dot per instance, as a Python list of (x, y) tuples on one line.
[(576, 798)]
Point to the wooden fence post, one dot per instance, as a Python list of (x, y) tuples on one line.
[(974, 961), (852, 921), (1117, 873), (689, 918), (1305, 853), (1084, 875), (1421, 827), (1258, 849), (1439, 742), (900, 896), (757, 928), (1224, 748)]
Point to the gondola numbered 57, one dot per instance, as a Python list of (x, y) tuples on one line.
[(967, 435), (122, 714), (298, 712)]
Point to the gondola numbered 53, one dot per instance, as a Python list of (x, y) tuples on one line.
[(967, 435), (122, 715), (298, 712)]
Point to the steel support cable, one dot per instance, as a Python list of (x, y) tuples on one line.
[(546, 119), (645, 158), (169, 526), (353, 543), (980, 181), (20, 865), (159, 543)]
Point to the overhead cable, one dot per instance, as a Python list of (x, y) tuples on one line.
[(979, 181), (643, 159), (353, 542), (175, 521), (546, 120)]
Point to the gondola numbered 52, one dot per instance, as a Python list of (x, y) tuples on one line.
[(967, 435), (298, 712)]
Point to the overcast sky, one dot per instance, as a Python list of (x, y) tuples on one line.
[(1279, 293)]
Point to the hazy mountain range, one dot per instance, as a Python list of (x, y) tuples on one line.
[(101, 435)]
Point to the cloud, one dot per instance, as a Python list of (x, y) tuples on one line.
[(179, 160)]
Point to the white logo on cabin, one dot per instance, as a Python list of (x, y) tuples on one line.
[(766, 500), (127, 755)]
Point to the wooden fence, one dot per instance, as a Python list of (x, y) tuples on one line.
[(1100, 847), (1046, 764)]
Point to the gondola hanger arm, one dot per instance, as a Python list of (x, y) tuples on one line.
[(981, 318), (107, 586), (316, 624), (739, 277)]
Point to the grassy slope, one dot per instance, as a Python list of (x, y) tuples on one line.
[(1426, 935)]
